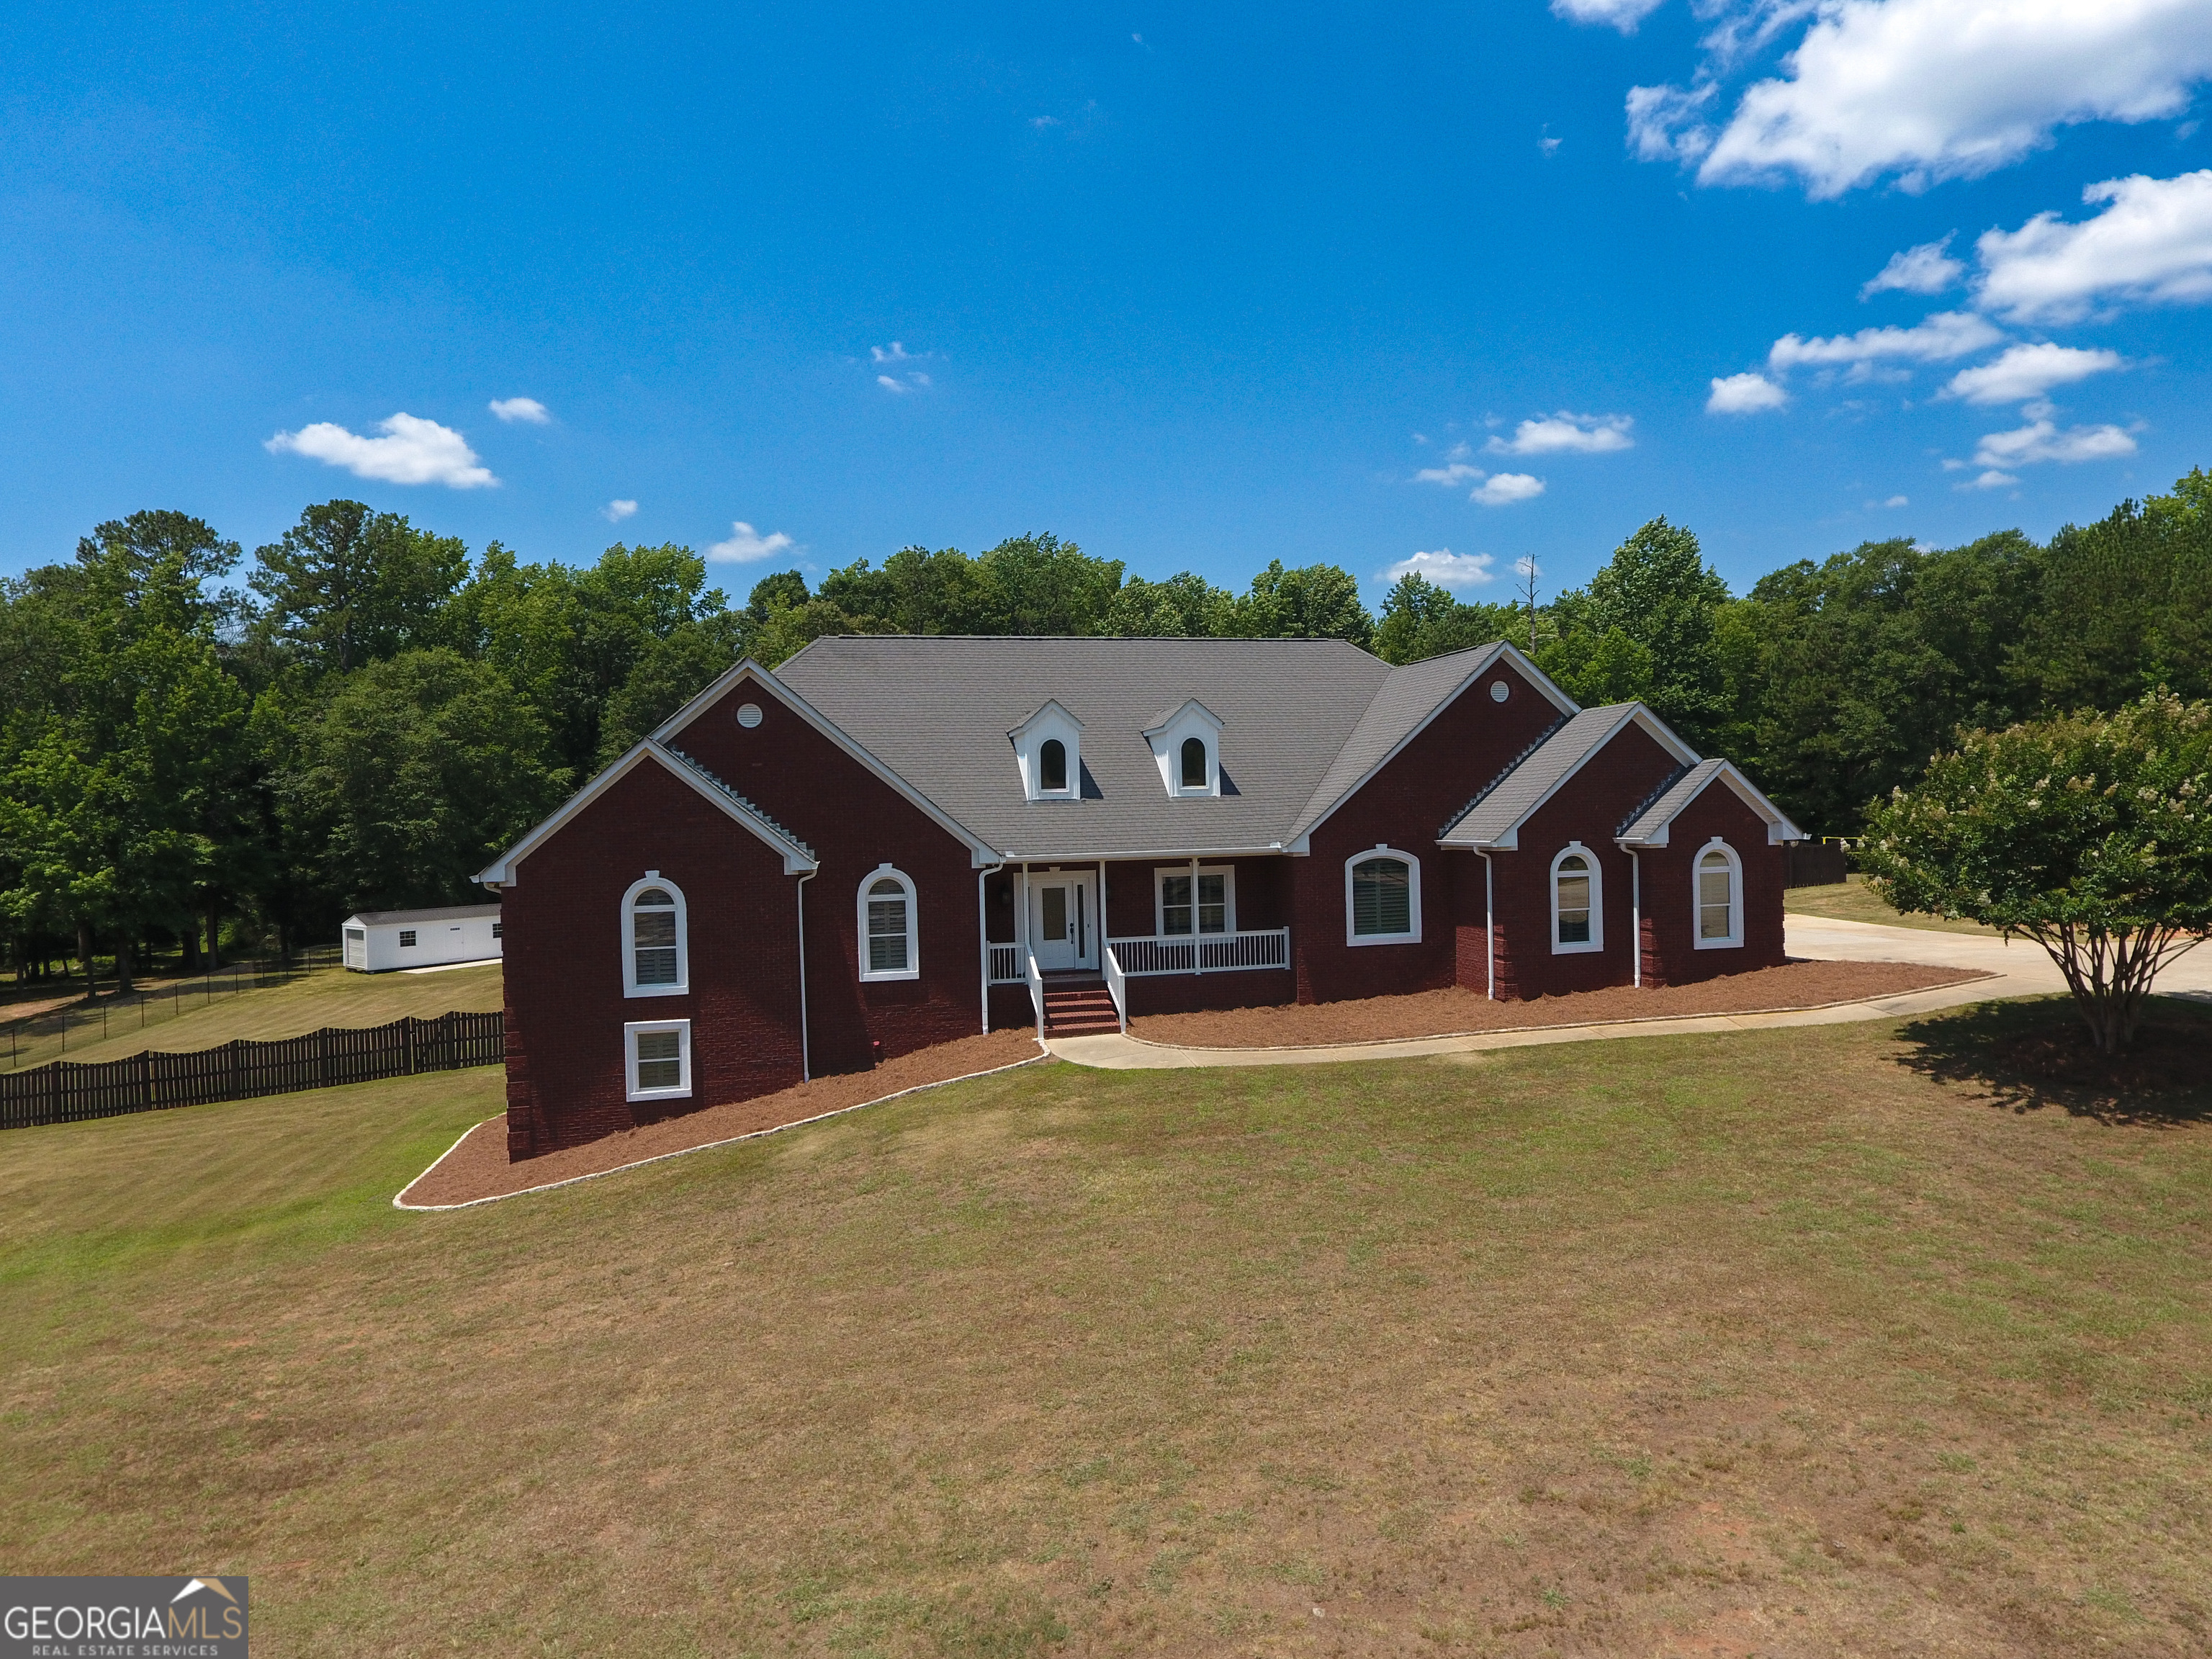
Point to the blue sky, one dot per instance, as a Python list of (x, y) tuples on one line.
[(1194, 288)]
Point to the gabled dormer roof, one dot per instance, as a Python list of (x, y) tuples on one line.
[(1650, 827), (1050, 708), (797, 857), (1187, 706), (1492, 820)]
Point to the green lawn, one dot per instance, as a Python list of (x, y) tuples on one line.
[(1835, 1339), (306, 1001), (1852, 900)]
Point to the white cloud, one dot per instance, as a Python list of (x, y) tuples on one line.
[(615, 511), (2027, 371), (1565, 434), (520, 409), (1922, 90), (1457, 472), (412, 451), (1898, 500), (2039, 440), (1446, 569), (1992, 479), (890, 384), (1946, 335), (1744, 394), (2153, 244), (1623, 15), (1504, 489), (747, 544), (1927, 268), (894, 353)]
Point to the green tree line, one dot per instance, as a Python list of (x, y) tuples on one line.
[(372, 712)]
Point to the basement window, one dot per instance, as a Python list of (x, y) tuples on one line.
[(659, 1056)]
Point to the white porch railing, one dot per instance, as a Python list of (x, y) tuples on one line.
[(1117, 986), (1006, 964), (1037, 990), (1204, 953)]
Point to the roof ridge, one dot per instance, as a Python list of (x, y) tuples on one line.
[(750, 806), (1510, 767), (1658, 795)]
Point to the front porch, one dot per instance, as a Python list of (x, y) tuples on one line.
[(1095, 944)]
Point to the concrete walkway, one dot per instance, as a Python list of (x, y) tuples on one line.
[(2021, 969)]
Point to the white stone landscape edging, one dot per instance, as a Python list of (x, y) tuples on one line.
[(399, 1199)]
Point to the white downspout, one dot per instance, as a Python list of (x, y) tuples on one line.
[(805, 1055), (983, 937), (1635, 914), (1489, 931)]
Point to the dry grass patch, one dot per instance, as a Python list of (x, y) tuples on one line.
[(1852, 900), (1765, 1342), (306, 1000)]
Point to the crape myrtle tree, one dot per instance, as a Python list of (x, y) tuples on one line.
[(2091, 835)]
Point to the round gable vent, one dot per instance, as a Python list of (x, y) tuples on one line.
[(749, 714), (1498, 692)]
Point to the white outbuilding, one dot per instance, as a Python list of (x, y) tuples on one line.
[(378, 941)]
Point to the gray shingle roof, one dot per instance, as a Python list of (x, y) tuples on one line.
[(449, 913), (1496, 813), (1687, 786), (937, 711)]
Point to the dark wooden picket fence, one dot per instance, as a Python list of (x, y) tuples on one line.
[(66, 1091), (1814, 863)]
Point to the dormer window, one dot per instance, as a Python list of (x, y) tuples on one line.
[(1048, 750), (1186, 744)]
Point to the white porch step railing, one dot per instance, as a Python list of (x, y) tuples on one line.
[(1036, 991), (1006, 964), (1117, 986), (1206, 953)]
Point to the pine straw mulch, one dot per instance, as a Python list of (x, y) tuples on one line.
[(1456, 1010), (477, 1167)]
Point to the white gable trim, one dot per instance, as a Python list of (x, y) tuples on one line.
[(1634, 713), (979, 854), (1487, 658), (797, 860), (1780, 829)]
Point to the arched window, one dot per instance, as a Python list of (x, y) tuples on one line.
[(1718, 875), (889, 946), (656, 951), (1051, 765), (1381, 897), (1577, 901), (1194, 763)]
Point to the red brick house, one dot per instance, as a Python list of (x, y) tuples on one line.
[(893, 841)]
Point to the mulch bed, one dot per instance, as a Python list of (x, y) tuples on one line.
[(478, 1167), (1455, 1010)]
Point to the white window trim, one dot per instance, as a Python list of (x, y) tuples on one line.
[(1413, 897), (1160, 874), (1596, 941), (1207, 784), (912, 969), (631, 986), (630, 1033), (1734, 940), (1192, 719)]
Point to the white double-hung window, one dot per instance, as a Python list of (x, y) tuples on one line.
[(1204, 903), (656, 948), (1577, 901), (890, 946), (1719, 896), (1383, 897), (657, 1059)]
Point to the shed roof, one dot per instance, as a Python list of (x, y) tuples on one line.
[(449, 913)]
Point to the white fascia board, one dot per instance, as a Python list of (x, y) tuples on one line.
[(503, 873), (1543, 682), (1634, 713), (1051, 706), (1115, 855), (979, 854), (1190, 705), (1780, 829)]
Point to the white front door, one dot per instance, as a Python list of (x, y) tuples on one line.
[(1063, 922)]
